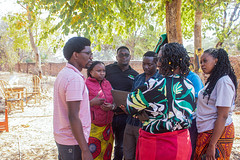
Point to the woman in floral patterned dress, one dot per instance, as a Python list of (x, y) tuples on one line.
[(169, 104)]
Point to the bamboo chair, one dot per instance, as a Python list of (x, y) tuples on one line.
[(36, 90), (4, 123), (12, 98)]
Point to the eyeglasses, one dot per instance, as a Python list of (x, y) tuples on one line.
[(120, 55), (88, 53)]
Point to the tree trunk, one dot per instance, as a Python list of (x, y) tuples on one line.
[(173, 21), (18, 62), (197, 39), (38, 69)]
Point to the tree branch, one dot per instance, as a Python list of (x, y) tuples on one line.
[(233, 29), (225, 16), (234, 11), (238, 14), (23, 6), (233, 14)]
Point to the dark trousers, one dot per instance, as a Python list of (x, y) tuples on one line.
[(193, 135), (130, 139), (69, 152), (118, 125)]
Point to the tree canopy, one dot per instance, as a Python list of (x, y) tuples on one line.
[(100, 19), (26, 31), (223, 18), (109, 23)]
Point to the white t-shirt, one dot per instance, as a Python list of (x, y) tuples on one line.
[(223, 95)]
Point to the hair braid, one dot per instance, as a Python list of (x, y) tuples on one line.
[(223, 67), (174, 55)]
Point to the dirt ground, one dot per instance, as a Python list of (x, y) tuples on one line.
[(30, 135)]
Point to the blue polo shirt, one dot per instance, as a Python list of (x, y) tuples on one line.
[(196, 81)]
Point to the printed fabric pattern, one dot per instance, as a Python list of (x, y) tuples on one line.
[(224, 144), (101, 142), (169, 103)]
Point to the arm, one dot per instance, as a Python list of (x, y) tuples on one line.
[(107, 107), (124, 109), (77, 129), (138, 99), (96, 101), (219, 126), (133, 107)]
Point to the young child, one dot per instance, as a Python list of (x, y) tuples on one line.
[(101, 102)]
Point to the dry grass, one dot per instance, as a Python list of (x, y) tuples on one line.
[(30, 133)]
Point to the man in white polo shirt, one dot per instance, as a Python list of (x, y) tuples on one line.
[(71, 118)]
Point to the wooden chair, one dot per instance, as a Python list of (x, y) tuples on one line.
[(13, 96), (36, 90), (4, 123)]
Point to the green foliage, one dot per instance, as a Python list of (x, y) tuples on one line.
[(18, 30), (110, 23), (138, 42), (7, 55), (100, 20), (219, 19), (238, 46), (187, 18), (232, 44), (222, 17)]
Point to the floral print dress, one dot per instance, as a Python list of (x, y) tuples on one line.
[(168, 102)]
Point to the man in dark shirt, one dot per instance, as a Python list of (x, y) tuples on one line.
[(121, 76), (131, 134)]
